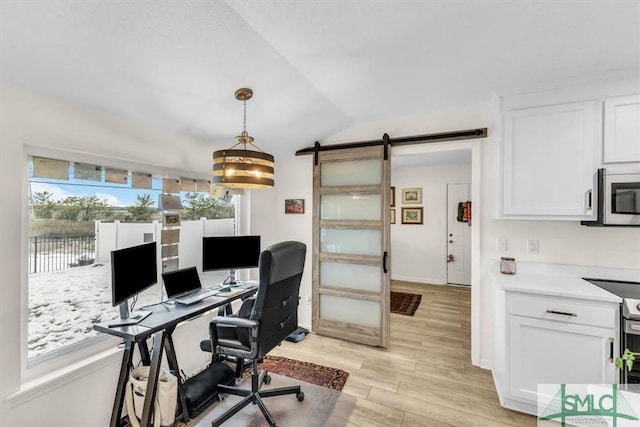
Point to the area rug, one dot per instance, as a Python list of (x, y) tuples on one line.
[(405, 303), (304, 371)]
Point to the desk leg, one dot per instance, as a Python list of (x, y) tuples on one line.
[(172, 361), (152, 382), (127, 357), (144, 352)]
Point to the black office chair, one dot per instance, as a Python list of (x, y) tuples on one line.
[(274, 316)]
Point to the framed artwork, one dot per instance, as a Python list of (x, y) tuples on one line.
[(412, 215), (170, 219), (412, 195), (294, 206), (393, 197), (393, 216)]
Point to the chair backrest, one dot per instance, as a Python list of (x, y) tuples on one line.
[(276, 302)]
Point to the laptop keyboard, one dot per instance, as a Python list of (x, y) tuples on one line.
[(190, 299)]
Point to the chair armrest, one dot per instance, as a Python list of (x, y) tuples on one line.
[(234, 321)]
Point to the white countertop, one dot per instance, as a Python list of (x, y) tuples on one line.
[(561, 280)]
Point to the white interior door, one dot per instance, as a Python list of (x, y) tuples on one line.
[(458, 237)]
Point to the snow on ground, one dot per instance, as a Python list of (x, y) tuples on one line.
[(64, 305)]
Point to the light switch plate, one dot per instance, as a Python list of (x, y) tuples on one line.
[(533, 247), (502, 243)]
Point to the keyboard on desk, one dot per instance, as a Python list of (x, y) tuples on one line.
[(196, 296)]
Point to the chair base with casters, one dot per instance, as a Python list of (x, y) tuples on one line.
[(255, 396)]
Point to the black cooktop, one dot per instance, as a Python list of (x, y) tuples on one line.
[(618, 287)]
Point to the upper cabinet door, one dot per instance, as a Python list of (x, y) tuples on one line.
[(622, 129), (550, 156)]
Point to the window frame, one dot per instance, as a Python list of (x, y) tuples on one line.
[(95, 347)]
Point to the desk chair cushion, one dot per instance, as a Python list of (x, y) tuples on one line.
[(230, 332)]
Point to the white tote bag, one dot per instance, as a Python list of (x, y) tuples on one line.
[(166, 397)]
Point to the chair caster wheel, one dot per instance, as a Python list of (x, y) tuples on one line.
[(267, 379), (220, 397), (300, 396)]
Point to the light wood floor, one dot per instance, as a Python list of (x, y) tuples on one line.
[(425, 377)]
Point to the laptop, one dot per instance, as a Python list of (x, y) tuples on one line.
[(183, 286)]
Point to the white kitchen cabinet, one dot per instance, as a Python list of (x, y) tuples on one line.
[(621, 129), (549, 158), (557, 340)]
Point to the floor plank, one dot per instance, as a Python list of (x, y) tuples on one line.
[(425, 377)]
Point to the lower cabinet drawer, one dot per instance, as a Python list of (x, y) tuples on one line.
[(563, 310)]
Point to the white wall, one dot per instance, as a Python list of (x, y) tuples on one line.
[(31, 121), (561, 242), (419, 252), (47, 123)]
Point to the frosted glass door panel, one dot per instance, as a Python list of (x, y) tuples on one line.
[(355, 242), (351, 276), (354, 311), (358, 172), (351, 207)]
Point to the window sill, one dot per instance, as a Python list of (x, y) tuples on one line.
[(49, 382)]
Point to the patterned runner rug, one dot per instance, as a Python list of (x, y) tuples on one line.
[(304, 371), (405, 303)]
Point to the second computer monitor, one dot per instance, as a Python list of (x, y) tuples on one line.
[(230, 253)]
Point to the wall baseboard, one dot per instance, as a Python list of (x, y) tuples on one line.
[(431, 281)]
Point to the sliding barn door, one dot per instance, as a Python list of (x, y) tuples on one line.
[(351, 276)]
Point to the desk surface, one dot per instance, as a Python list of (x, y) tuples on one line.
[(165, 315)]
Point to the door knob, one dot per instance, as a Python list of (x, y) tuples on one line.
[(450, 241), (450, 258)]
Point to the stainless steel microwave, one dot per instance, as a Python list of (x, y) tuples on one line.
[(617, 198)]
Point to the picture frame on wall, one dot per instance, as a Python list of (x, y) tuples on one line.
[(412, 215), (393, 197), (294, 206), (412, 195), (392, 217)]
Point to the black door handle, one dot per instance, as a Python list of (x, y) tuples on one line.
[(384, 262)]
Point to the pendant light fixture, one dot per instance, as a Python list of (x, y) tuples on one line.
[(239, 167)]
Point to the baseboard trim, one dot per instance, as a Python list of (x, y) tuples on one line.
[(419, 280)]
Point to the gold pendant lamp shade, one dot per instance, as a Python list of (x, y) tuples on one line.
[(239, 167)]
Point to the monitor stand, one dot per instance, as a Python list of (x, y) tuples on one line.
[(232, 277), (127, 317)]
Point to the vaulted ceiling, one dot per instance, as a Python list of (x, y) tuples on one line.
[(316, 67)]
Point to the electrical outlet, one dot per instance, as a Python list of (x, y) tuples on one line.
[(532, 247), (502, 243)]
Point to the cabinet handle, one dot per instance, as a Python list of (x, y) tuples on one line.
[(564, 313), (589, 199), (611, 349)]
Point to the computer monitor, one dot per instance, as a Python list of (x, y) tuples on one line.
[(133, 270), (230, 253)]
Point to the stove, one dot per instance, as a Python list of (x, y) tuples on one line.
[(629, 322), (628, 291)]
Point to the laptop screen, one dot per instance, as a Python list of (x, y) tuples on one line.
[(180, 282)]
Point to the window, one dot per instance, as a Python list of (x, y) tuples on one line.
[(78, 213)]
